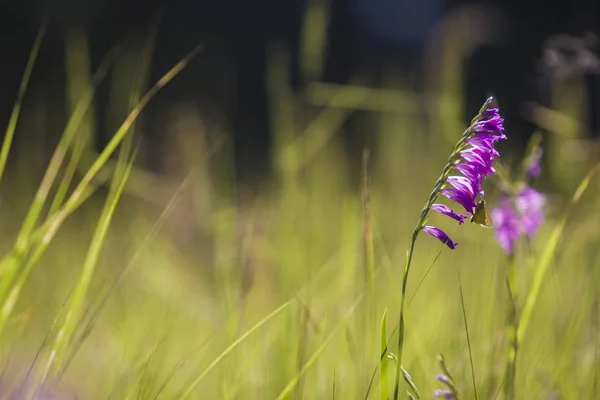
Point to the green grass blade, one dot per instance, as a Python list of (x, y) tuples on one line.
[(464, 313), (125, 128), (10, 263), (59, 155), (289, 388), (188, 390), (547, 255), (88, 326), (16, 111), (79, 78), (383, 361), (77, 300), (411, 384)]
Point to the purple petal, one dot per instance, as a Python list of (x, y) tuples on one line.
[(483, 147), (507, 225), (494, 124), (488, 138), (443, 378), (440, 235), (462, 184), (530, 205), (462, 198), (443, 394), (473, 173), (491, 113), (476, 157), (443, 209)]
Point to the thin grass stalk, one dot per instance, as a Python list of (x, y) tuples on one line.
[(67, 179), (595, 322), (190, 388), (63, 337), (367, 275), (512, 329), (289, 388), (78, 77), (10, 263), (383, 361), (25, 238), (16, 111), (88, 326), (139, 384), (75, 304), (464, 313), (369, 252), (60, 153), (548, 254), (22, 393), (126, 125)]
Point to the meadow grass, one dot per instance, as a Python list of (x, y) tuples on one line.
[(287, 293)]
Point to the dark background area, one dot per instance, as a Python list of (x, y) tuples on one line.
[(362, 35)]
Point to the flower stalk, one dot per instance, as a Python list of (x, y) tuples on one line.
[(520, 213), (512, 328), (472, 156)]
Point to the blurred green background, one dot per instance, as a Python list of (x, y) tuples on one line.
[(183, 281)]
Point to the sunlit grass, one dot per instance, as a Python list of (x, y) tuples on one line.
[(281, 294)]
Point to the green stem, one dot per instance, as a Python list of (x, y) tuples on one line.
[(512, 328), (401, 314)]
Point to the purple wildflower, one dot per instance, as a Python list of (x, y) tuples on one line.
[(440, 235), (507, 224), (443, 394), (444, 379), (533, 166), (474, 161), (526, 215), (450, 391), (530, 205)]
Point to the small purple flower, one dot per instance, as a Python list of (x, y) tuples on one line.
[(473, 160), (508, 229), (443, 209), (476, 161), (533, 167), (443, 394), (440, 235), (443, 378), (530, 205)]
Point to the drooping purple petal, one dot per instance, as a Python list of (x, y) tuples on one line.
[(443, 209), (440, 235), (462, 183), (507, 224), (461, 197), (530, 205)]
